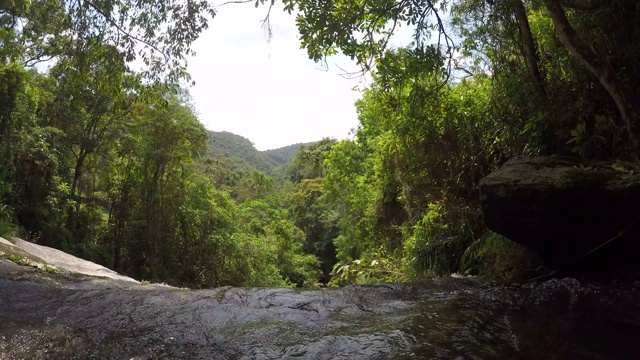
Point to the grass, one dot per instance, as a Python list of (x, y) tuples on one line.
[(25, 261), (20, 260), (145, 282), (50, 269)]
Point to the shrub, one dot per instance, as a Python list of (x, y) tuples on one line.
[(7, 228), (497, 258), (439, 239)]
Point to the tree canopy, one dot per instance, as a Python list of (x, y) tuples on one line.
[(158, 34), (490, 30), (112, 164)]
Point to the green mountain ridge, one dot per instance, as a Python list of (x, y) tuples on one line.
[(240, 154), (282, 156)]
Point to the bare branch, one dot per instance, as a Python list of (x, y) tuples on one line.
[(448, 40), (266, 23), (234, 2), (350, 74), (36, 60)]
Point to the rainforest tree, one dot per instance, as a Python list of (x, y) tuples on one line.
[(111, 164)]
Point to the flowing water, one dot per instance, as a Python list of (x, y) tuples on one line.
[(44, 317)]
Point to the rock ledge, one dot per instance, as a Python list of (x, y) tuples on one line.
[(564, 208)]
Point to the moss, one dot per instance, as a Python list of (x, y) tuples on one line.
[(581, 178)]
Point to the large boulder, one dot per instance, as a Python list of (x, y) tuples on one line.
[(568, 210)]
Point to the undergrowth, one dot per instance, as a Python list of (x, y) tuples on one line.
[(497, 258), (7, 228)]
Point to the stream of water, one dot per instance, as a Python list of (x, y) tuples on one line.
[(450, 318)]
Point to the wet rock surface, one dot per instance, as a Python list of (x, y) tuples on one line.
[(564, 208), (44, 316)]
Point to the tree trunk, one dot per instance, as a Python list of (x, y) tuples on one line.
[(77, 173), (601, 69), (117, 253), (529, 47)]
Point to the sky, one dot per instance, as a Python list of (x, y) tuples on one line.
[(268, 90)]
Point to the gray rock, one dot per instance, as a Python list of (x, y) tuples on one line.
[(566, 208)]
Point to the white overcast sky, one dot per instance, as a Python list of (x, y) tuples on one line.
[(269, 91)]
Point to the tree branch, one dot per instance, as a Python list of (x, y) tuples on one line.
[(234, 2), (126, 33)]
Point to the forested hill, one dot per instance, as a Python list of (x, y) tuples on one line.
[(242, 156), (282, 156)]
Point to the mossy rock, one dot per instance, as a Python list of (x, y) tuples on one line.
[(564, 208)]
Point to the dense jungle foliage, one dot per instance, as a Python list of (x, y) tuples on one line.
[(113, 165)]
